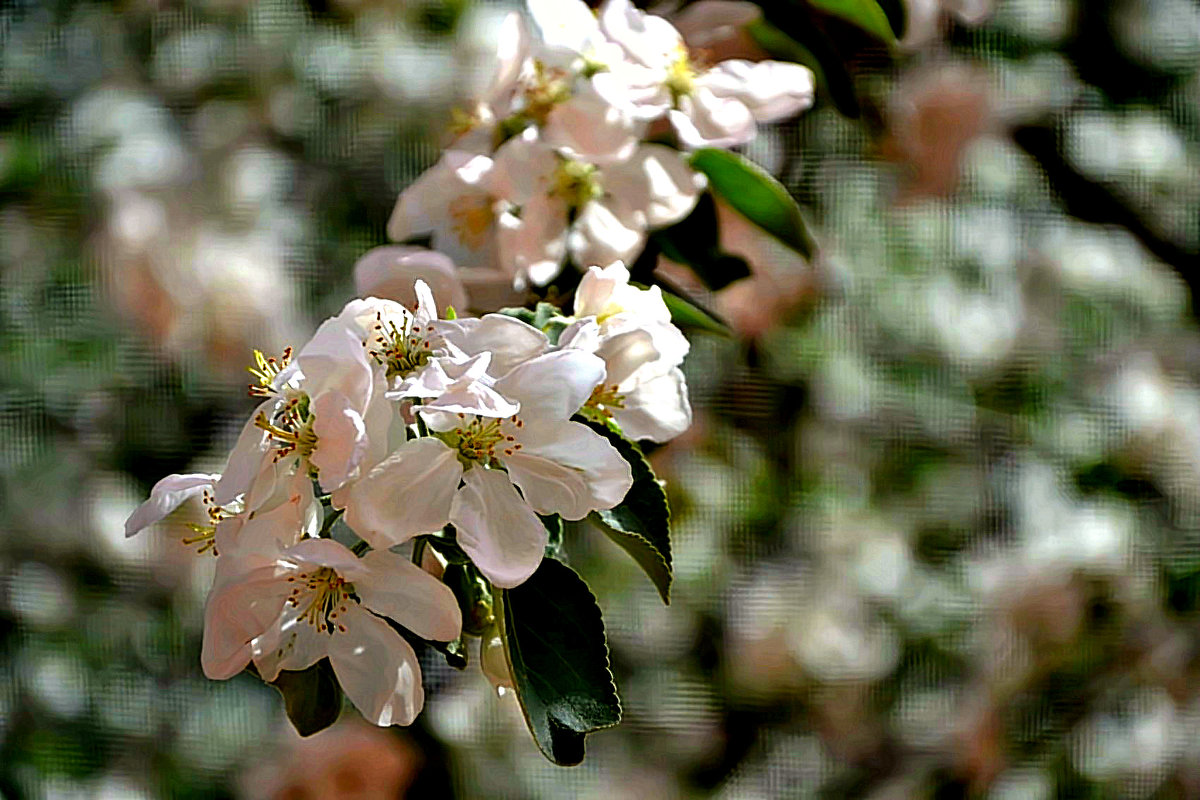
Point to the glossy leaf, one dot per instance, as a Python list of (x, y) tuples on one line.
[(688, 315), (757, 196), (558, 658), (641, 524)]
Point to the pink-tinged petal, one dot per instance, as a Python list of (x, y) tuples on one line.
[(325, 553), (532, 246), (268, 531), (568, 469), (706, 120), (658, 180), (334, 360), (422, 207), (567, 27), (589, 127), (523, 168), (510, 341), (238, 611), (552, 386), (708, 22), (292, 643), (597, 289), (167, 495), (389, 272), (245, 460), (341, 439), (582, 334), (377, 669), (658, 409), (408, 493), (497, 528), (395, 587), (770, 90)]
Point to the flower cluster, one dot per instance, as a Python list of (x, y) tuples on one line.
[(578, 146), (467, 432)]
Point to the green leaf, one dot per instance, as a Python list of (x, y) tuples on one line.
[(897, 15), (558, 658), (693, 242), (312, 697), (641, 524), (866, 14), (523, 314), (687, 314), (751, 191)]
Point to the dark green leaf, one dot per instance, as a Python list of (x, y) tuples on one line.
[(641, 524), (694, 242), (312, 697), (523, 314), (866, 14), (558, 657), (753, 193)]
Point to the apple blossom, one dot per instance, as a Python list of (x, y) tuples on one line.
[(316, 600)]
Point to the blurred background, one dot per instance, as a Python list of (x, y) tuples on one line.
[(937, 525)]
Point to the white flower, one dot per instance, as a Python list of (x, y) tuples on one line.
[(559, 466), (596, 214), (715, 107), (325, 412), (316, 599), (644, 390)]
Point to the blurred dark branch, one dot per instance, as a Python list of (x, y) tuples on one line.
[(1092, 201)]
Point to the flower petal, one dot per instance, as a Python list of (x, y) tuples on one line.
[(532, 246), (568, 469), (395, 587), (497, 528), (238, 611), (771, 90), (552, 386), (390, 270), (658, 409), (341, 439), (167, 495), (609, 229), (408, 493), (658, 180), (648, 39), (377, 669), (705, 119), (245, 460), (510, 341)]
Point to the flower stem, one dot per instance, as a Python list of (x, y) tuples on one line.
[(330, 519)]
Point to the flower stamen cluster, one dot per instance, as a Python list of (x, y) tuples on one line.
[(326, 594), (267, 369)]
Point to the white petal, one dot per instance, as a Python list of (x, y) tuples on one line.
[(707, 120), (341, 439), (582, 334), (291, 643), (552, 386), (657, 410), (607, 230), (236, 613), (569, 469), (565, 25), (167, 495), (245, 460), (532, 246), (497, 528), (270, 530), (334, 360), (625, 353), (377, 669), (771, 90), (648, 39), (658, 180), (395, 587), (509, 340), (408, 493), (326, 553), (596, 289), (524, 168)]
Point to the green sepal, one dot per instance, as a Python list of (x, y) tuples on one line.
[(557, 656), (523, 314), (641, 523), (757, 196), (312, 697), (474, 595), (865, 14)]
